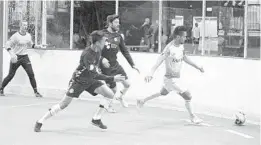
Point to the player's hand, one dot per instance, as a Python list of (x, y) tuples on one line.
[(119, 78), (105, 63), (14, 58), (201, 69), (134, 67), (148, 79)]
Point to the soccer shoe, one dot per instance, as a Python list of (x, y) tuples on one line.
[(37, 127), (2, 93), (123, 103), (140, 103), (99, 124), (111, 110), (195, 119), (37, 94)]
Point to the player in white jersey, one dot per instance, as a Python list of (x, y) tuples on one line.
[(17, 47), (174, 56)]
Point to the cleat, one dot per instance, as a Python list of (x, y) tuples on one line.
[(2, 93), (196, 120), (123, 103), (37, 94), (99, 124), (140, 103), (37, 127)]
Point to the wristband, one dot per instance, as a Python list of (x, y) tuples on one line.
[(8, 49)]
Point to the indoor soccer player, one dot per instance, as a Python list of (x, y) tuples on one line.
[(109, 64), (87, 78), (173, 55), (17, 47)]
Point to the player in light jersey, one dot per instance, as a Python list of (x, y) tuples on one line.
[(174, 56), (17, 47)]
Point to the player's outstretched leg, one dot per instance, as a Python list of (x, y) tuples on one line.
[(108, 94), (126, 85), (187, 97), (141, 102), (52, 111)]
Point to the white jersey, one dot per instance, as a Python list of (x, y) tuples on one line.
[(19, 43), (173, 60)]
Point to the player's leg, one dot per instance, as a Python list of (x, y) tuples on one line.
[(126, 85), (12, 70), (187, 97), (26, 64), (74, 91), (99, 88), (141, 102)]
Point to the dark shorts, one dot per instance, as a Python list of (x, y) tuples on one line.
[(196, 40), (75, 88), (112, 71)]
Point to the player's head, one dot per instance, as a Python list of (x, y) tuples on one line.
[(180, 34), (23, 25), (98, 38), (113, 22), (147, 20)]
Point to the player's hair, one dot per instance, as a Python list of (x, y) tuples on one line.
[(21, 21), (96, 36), (177, 31)]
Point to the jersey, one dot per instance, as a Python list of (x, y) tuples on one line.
[(173, 60), (87, 69), (113, 44), (19, 43)]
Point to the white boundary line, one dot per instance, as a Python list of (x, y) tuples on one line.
[(29, 105), (240, 134)]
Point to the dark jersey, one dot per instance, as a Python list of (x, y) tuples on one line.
[(88, 68), (115, 43)]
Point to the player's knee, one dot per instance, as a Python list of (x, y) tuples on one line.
[(11, 75), (164, 92), (186, 95), (31, 75), (105, 102)]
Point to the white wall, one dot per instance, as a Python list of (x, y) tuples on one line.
[(228, 84)]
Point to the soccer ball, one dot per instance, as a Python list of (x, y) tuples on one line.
[(240, 118)]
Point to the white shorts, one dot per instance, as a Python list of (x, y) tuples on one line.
[(174, 84)]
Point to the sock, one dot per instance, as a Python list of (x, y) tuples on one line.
[(35, 90), (54, 110), (123, 92), (151, 97), (189, 108), (105, 103)]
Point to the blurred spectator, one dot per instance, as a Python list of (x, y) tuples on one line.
[(196, 36), (146, 27)]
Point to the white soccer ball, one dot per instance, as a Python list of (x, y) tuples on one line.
[(240, 118)]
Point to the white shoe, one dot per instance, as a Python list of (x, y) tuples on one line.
[(111, 110), (123, 103), (195, 119), (140, 103)]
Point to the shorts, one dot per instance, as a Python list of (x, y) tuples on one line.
[(112, 71), (196, 40), (75, 88), (173, 84)]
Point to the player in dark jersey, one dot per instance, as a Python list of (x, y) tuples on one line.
[(86, 77), (109, 64)]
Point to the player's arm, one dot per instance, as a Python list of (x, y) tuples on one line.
[(9, 45), (190, 62), (159, 61), (124, 50), (97, 75)]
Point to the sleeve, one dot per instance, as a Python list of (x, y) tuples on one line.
[(92, 70), (124, 50), (11, 42)]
